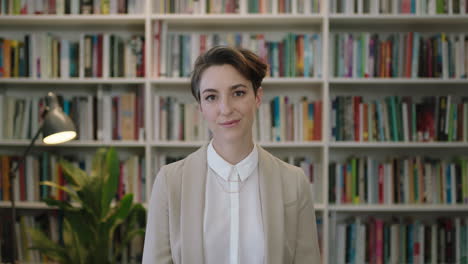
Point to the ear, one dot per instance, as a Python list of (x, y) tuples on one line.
[(259, 97)]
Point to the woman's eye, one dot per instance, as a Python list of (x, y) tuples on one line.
[(239, 93), (210, 98)]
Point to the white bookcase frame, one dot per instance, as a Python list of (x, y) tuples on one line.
[(325, 21)]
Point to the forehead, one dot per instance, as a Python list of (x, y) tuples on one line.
[(221, 77)]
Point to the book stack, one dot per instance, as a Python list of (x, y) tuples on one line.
[(283, 119), (400, 118), (400, 55), (47, 55), (295, 55), (283, 7), (413, 7), (72, 7), (103, 117), (178, 121), (401, 240), (45, 167), (399, 180)]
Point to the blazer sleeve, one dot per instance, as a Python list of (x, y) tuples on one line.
[(307, 247), (157, 249)]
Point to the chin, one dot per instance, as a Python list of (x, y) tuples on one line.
[(234, 137)]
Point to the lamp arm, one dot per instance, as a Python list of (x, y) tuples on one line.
[(12, 175), (28, 149)]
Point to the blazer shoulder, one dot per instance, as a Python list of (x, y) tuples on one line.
[(175, 171), (291, 177), (286, 170), (289, 168), (175, 168)]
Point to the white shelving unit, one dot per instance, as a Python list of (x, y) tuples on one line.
[(23, 80), (325, 149)]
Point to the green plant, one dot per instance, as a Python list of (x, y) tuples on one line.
[(91, 224)]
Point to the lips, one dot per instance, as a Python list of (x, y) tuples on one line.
[(230, 123)]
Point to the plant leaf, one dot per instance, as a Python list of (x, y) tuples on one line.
[(63, 205), (127, 239), (65, 189), (82, 223), (47, 247), (99, 160), (111, 180), (132, 233), (125, 206), (74, 176), (76, 250)]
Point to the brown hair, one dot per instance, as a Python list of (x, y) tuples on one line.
[(245, 61)]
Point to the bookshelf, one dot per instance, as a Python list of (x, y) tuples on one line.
[(274, 25)]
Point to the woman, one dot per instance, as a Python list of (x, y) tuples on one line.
[(230, 201)]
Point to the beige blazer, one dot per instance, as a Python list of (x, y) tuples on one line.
[(174, 232)]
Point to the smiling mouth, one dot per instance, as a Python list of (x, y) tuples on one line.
[(230, 123)]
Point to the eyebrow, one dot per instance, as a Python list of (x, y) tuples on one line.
[(233, 87)]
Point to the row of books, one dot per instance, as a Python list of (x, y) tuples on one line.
[(51, 223), (284, 6), (45, 167), (312, 170), (73, 7), (125, 120), (417, 7), (196, 6), (233, 6), (404, 55), (407, 180), (46, 55), (48, 222), (294, 55), (104, 117), (23, 115), (378, 240), (284, 119), (399, 118), (176, 120), (110, 55)]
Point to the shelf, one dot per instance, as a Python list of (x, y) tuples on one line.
[(177, 144), (319, 207), (25, 205), (75, 143), (267, 81), (195, 144), (241, 20), (43, 205), (121, 19), (430, 208), (310, 144), (399, 19), (398, 144), (397, 81), (73, 81)]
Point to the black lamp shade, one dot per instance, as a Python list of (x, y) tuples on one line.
[(57, 127)]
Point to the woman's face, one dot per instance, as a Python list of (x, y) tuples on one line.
[(228, 103)]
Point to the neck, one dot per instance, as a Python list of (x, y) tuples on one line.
[(233, 152)]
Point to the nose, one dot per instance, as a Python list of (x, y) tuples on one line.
[(226, 106)]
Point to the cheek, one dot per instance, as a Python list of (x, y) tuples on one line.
[(252, 110), (208, 112)]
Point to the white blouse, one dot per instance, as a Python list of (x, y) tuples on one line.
[(232, 225)]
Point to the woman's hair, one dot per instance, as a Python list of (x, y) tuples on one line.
[(247, 63)]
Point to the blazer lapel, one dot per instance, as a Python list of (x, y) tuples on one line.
[(193, 206), (271, 200)]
